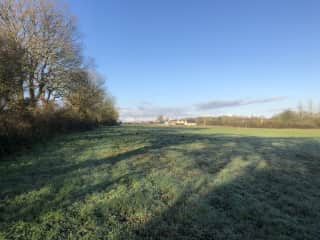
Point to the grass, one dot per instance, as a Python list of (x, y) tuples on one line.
[(144, 182)]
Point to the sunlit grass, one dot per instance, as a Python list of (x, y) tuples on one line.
[(151, 182)]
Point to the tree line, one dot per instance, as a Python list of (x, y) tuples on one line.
[(46, 84), (299, 118)]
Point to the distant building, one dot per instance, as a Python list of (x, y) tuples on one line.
[(179, 123)]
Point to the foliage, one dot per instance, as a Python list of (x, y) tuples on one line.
[(161, 119), (285, 119), (45, 86)]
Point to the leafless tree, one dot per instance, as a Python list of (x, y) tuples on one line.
[(49, 43)]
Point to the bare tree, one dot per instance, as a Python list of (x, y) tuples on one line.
[(48, 38), (44, 83), (300, 109), (161, 119), (310, 106)]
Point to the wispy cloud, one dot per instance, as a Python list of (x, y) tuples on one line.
[(146, 111), (215, 104)]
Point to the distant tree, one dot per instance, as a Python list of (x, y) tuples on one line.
[(300, 109), (310, 106), (287, 116), (160, 119)]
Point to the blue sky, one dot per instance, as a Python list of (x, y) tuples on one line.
[(173, 56)]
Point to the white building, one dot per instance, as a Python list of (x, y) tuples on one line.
[(179, 123)]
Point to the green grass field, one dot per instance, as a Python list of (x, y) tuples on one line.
[(151, 182)]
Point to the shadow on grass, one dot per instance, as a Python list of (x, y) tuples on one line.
[(250, 187), (260, 204), (274, 194)]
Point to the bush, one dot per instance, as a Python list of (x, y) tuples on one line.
[(21, 130)]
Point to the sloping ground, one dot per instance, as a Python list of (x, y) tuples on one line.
[(143, 182)]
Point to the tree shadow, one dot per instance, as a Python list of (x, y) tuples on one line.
[(273, 195), (250, 187)]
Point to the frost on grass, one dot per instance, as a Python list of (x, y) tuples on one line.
[(144, 182)]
